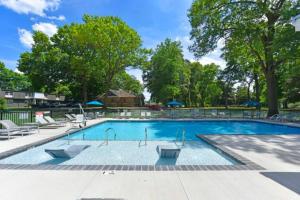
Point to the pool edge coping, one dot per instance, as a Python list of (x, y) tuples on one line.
[(246, 164)]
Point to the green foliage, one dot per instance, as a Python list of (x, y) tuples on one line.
[(128, 83), (3, 104), (10, 80), (204, 88), (166, 74), (241, 95), (289, 84), (84, 58), (257, 31), (169, 77)]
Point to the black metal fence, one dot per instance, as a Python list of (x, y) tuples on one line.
[(19, 117), (28, 116)]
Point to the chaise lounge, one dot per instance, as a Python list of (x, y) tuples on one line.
[(168, 151), (69, 152)]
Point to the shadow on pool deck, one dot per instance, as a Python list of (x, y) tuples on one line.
[(284, 147), (55, 161), (290, 180), (166, 161)]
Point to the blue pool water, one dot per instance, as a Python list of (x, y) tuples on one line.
[(167, 130), (123, 153), (130, 149)]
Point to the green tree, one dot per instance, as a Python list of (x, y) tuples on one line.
[(44, 64), (128, 83), (167, 72), (245, 66), (227, 78), (242, 94), (3, 104), (83, 57), (262, 26), (10, 80), (289, 83), (204, 86)]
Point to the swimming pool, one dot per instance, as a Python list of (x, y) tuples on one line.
[(170, 130), (126, 145)]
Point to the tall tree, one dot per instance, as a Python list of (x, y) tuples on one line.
[(289, 83), (10, 80), (128, 83), (204, 86), (43, 65), (263, 26), (244, 64), (166, 73), (85, 58)]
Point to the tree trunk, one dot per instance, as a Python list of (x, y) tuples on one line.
[(272, 93), (248, 91), (285, 104), (84, 91), (257, 88)]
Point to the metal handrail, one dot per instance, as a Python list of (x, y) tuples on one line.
[(177, 135), (183, 137), (107, 134), (146, 136), (68, 138)]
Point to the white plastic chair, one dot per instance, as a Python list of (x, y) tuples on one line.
[(128, 114), (148, 114)]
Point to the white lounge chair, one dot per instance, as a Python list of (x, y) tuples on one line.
[(69, 117), (10, 125), (73, 115), (276, 117), (52, 121), (80, 119), (69, 152), (214, 113), (122, 114), (128, 114), (45, 124), (143, 114), (148, 114), (100, 114), (9, 133)]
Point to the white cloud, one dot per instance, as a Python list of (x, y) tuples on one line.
[(137, 73), (37, 7), (11, 64), (186, 42), (47, 28), (17, 71), (59, 18), (213, 57), (25, 37)]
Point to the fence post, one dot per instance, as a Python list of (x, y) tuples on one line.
[(1, 115), (31, 116)]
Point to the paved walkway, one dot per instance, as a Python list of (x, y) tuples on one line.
[(280, 155)]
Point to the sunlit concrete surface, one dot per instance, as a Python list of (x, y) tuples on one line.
[(276, 153)]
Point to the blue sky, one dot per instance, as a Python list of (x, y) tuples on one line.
[(154, 20)]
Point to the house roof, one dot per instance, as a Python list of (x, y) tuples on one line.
[(118, 93)]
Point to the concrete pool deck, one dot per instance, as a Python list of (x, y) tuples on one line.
[(276, 153)]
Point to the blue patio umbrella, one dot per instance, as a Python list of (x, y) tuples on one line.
[(94, 103), (174, 103), (251, 104)]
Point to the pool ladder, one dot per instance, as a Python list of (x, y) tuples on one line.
[(146, 137), (182, 136), (107, 135)]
